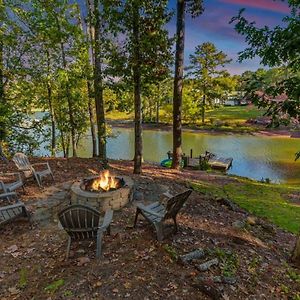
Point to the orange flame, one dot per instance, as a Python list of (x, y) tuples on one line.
[(105, 182)]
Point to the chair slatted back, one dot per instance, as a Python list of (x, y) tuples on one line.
[(21, 161), (175, 203), (80, 221), (10, 212)]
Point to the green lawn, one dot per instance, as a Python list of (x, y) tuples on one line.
[(264, 200), (119, 115), (234, 113)]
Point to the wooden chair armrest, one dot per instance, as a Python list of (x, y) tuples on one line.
[(168, 195), (40, 164), (149, 210), (6, 195), (107, 219)]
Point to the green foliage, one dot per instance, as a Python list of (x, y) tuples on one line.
[(23, 278), (54, 286), (277, 47), (205, 65), (171, 251)]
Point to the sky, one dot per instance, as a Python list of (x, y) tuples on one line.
[(213, 26)]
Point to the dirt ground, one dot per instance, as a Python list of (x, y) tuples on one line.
[(252, 259)]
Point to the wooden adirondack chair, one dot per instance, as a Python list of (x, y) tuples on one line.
[(11, 186), (157, 213), (12, 208), (83, 222), (30, 170)]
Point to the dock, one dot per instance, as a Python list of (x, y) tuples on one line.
[(220, 163), (214, 162)]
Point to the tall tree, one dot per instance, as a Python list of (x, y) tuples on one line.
[(143, 56), (205, 66), (195, 8), (98, 84)]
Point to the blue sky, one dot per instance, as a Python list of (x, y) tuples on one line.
[(213, 26)]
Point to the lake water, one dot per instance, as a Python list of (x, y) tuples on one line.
[(256, 157)]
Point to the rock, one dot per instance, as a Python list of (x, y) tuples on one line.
[(82, 261), (208, 287), (251, 220), (205, 266), (228, 280), (138, 196), (12, 248), (199, 253), (268, 227), (238, 224)]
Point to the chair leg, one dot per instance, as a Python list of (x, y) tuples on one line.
[(52, 177), (38, 180), (175, 224), (136, 217), (159, 231), (68, 248), (99, 244)]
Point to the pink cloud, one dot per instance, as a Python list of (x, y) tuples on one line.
[(270, 5)]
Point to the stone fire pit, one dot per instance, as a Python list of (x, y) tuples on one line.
[(114, 199)]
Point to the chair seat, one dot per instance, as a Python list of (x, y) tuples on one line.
[(43, 172)]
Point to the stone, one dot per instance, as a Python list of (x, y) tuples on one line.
[(207, 265), (251, 220), (238, 224)]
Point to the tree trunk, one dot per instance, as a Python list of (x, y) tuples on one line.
[(138, 144), (92, 118), (52, 117), (178, 82), (203, 109), (157, 112), (98, 86), (51, 109), (296, 252), (89, 39)]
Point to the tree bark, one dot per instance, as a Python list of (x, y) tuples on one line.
[(92, 118), (98, 86), (296, 252), (178, 83), (2, 105), (52, 117), (51, 110), (203, 108), (138, 143), (89, 39)]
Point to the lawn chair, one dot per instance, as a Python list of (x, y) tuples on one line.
[(83, 222), (11, 208), (10, 186), (30, 170), (157, 213)]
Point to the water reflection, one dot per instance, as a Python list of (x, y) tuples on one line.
[(254, 157)]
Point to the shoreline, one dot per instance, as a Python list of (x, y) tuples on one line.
[(264, 132)]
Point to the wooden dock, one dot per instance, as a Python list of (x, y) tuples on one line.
[(214, 162), (220, 163)]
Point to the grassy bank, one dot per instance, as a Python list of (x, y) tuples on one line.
[(271, 201)]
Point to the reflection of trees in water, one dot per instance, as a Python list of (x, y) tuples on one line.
[(254, 157)]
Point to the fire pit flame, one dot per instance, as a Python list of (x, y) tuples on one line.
[(105, 182)]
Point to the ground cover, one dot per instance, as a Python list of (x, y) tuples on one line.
[(252, 253)]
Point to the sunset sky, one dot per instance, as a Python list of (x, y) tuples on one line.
[(213, 26)]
